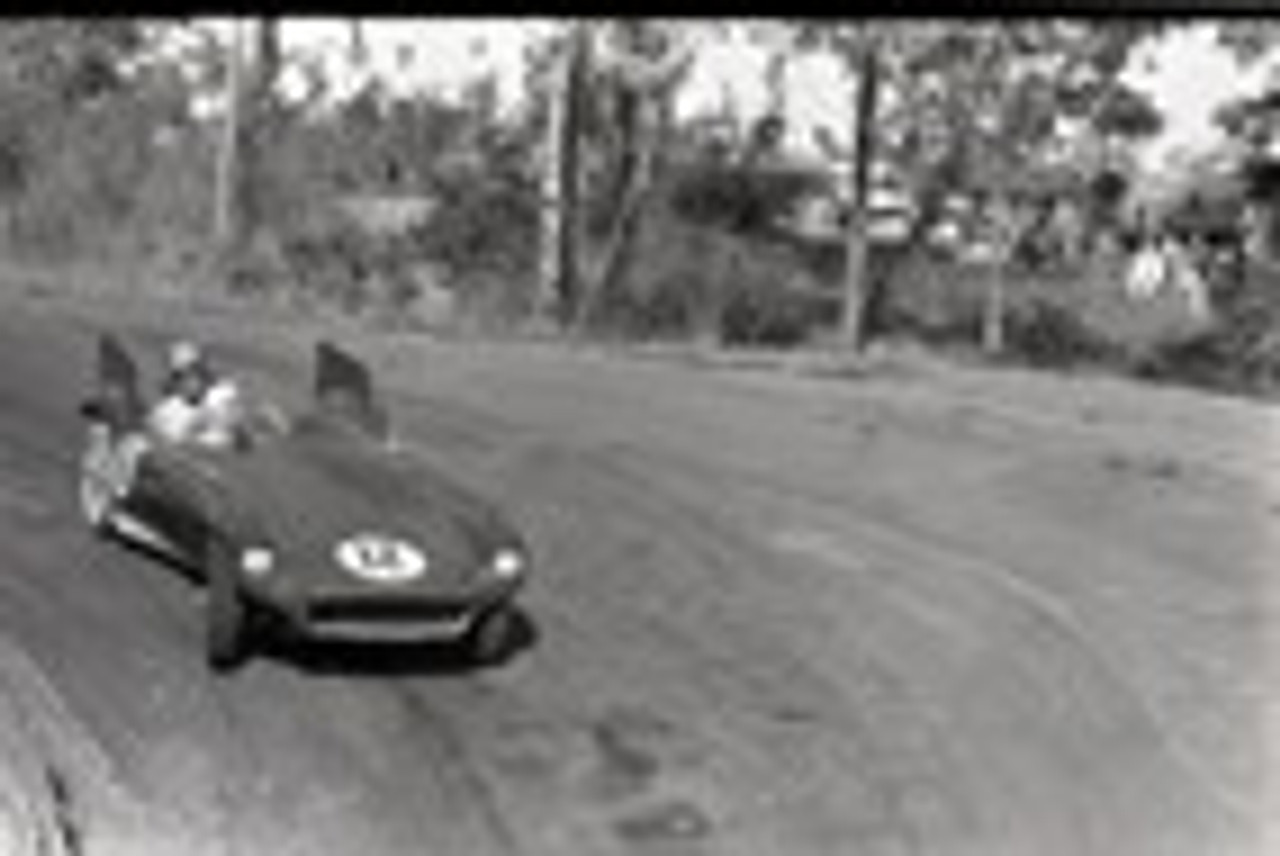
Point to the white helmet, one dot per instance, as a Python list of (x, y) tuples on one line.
[(184, 356)]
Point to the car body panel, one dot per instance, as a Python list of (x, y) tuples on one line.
[(304, 493), (311, 490)]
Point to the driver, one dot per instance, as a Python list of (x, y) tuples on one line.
[(197, 405)]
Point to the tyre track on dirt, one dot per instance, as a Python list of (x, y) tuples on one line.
[(35, 434), (1003, 578), (895, 533), (678, 678), (939, 552), (750, 679), (900, 745), (460, 771), (721, 668)]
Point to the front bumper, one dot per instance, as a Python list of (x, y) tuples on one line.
[(367, 632), (345, 616)]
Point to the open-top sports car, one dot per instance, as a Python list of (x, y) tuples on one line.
[(314, 525)]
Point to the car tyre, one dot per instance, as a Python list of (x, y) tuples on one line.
[(491, 638), (227, 616)]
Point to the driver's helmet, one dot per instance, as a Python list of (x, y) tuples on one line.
[(189, 370), (184, 355)]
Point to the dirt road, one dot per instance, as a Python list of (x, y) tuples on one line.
[(923, 612)]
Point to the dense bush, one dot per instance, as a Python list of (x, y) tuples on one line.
[(761, 310), (711, 260), (1048, 319), (485, 226), (931, 297), (695, 280), (1044, 333), (738, 198), (331, 262)]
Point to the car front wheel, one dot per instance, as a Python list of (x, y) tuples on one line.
[(227, 617), (492, 637)]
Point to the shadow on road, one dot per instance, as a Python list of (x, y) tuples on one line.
[(373, 659)]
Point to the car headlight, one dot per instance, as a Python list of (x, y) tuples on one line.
[(257, 561), (508, 564)]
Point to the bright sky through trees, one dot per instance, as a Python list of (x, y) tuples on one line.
[(1188, 78), (1187, 75)]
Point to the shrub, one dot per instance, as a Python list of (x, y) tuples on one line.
[(711, 259), (485, 226), (1049, 319), (738, 198), (697, 280), (776, 305), (931, 297), (1048, 334)]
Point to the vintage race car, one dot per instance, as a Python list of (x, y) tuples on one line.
[(311, 526)]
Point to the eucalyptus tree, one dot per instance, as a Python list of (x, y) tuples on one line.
[(58, 79), (559, 76), (1252, 123), (226, 195), (251, 123), (968, 108), (601, 89), (635, 70)]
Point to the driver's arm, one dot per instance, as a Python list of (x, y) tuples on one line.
[(173, 420), (271, 415), (257, 415)]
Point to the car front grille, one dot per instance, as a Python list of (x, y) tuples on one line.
[(357, 608)]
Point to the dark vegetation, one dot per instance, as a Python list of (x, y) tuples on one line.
[(104, 160)]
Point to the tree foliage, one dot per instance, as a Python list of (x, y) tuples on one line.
[(99, 132), (977, 111), (52, 71)]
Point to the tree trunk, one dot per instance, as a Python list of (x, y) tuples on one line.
[(1268, 233), (226, 212), (1008, 222), (857, 250), (628, 188), (258, 133), (643, 117), (557, 276), (776, 83), (993, 310), (240, 193), (621, 241), (266, 69), (357, 45)]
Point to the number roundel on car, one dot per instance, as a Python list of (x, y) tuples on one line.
[(381, 558)]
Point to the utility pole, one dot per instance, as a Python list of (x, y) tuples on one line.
[(259, 120), (857, 286)]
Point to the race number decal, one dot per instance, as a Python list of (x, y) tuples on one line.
[(380, 558)]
